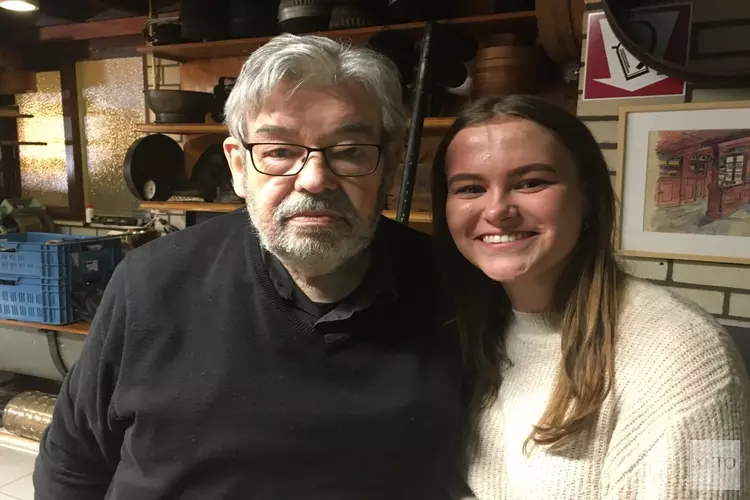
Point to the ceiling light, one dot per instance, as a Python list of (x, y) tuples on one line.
[(20, 5)]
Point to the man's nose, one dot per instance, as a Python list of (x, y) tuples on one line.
[(315, 176)]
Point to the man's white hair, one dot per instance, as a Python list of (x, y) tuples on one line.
[(316, 60)]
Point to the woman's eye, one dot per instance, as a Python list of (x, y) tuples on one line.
[(531, 184), (471, 189)]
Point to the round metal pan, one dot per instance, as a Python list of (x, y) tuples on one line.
[(152, 165)]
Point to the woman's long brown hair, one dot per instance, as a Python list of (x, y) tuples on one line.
[(587, 295)]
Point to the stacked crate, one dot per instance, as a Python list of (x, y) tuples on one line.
[(39, 271)]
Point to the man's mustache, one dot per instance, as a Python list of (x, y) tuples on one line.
[(330, 201)]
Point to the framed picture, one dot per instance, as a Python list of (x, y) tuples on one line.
[(683, 182)]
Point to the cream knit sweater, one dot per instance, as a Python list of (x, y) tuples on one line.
[(680, 386)]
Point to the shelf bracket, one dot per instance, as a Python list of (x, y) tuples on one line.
[(417, 124)]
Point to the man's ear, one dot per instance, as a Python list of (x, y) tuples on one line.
[(235, 154)]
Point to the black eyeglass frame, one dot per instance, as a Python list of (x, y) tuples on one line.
[(249, 147)]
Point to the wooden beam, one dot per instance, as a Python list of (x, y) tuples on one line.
[(97, 29), (72, 126)]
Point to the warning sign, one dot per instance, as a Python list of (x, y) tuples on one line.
[(612, 72)]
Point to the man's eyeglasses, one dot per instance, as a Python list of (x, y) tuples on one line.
[(345, 160)]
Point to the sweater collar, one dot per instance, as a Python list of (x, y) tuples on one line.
[(540, 323)]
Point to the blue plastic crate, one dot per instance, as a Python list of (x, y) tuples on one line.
[(59, 256), (40, 300)]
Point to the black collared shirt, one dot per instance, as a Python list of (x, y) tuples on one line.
[(377, 284)]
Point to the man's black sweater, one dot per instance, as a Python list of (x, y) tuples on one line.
[(198, 381)]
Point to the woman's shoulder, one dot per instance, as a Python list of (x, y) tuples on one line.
[(647, 304), (668, 343)]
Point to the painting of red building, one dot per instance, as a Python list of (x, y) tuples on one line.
[(702, 182)]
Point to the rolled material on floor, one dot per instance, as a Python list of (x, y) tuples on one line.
[(25, 350), (28, 414), (8, 440)]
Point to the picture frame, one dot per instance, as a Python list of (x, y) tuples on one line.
[(683, 182)]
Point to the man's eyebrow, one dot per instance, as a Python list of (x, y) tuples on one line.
[(271, 130), (354, 128)]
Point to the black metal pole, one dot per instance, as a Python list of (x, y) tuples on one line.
[(415, 130)]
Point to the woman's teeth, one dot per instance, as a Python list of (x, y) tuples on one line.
[(505, 238)]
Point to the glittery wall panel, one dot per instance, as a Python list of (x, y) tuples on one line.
[(112, 104), (43, 168)]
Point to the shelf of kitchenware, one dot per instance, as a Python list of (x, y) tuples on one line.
[(194, 206), (185, 52), (430, 124), (78, 328)]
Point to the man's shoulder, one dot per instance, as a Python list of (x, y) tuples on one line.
[(192, 248), (408, 241), (411, 258)]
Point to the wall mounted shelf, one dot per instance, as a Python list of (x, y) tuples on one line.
[(185, 52)]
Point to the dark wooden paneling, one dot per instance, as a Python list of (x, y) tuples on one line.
[(10, 170), (95, 29), (14, 32), (49, 55), (73, 148)]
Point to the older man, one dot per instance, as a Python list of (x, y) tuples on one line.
[(292, 356)]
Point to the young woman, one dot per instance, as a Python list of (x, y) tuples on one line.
[(588, 382)]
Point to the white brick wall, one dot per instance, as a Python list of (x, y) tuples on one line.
[(739, 305), (647, 268), (604, 131), (702, 274), (734, 322), (611, 157), (711, 301), (709, 285)]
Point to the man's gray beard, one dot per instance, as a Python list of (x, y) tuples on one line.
[(315, 251)]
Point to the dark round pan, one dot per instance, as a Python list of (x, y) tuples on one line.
[(209, 170), (180, 106), (152, 165)]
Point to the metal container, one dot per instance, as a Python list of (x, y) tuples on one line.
[(303, 16), (179, 106), (28, 414), (26, 351)]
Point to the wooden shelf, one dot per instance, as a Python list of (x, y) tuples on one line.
[(192, 206), (12, 114), (80, 328), (182, 128), (244, 47), (430, 125), (414, 217)]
